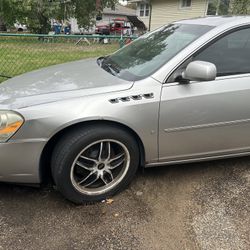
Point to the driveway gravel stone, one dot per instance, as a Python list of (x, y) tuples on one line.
[(192, 206)]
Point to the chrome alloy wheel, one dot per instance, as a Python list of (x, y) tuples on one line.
[(100, 167)]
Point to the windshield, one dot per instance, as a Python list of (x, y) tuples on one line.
[(151, 51)]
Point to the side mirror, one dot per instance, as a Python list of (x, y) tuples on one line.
[(200, 71)]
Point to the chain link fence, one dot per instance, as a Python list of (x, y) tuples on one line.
[(20, 53)]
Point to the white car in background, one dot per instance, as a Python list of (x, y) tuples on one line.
[(20, 27)]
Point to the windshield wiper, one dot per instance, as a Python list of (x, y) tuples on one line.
[(107, 65), (100, 60)]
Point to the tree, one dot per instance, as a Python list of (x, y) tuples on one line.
[(8, 12), (38, 13), (85, 11), (35, 13), (218, 7), (240, 7)]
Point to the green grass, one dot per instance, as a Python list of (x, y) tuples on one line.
[(20, 55)]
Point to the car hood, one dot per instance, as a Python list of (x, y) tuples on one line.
[(57, 83)]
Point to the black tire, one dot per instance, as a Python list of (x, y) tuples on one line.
[(72, 143)]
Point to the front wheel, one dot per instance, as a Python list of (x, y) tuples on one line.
[(92, 164)]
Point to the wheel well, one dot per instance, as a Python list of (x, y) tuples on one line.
[(45, 160)]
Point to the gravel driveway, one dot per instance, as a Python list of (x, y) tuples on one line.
[(192, 206)]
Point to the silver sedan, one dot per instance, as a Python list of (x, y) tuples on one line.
[(178, 94)]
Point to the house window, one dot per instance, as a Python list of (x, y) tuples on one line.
[(147, 10), (142, 6), (144, 9), (186, 3)]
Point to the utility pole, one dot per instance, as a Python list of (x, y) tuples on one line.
[(150, 14)]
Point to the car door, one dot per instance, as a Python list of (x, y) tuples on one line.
[(204, 119)]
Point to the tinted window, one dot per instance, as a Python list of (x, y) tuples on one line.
[(151, 51), (230, 54)]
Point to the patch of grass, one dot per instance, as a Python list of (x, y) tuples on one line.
[(20, 55)]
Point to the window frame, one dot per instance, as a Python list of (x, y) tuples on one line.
[(193, 54), (181, 6), (147, 10), (144, 8)]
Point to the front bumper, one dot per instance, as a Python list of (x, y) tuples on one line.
[(20, 160)]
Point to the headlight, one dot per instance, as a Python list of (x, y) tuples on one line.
[(10, 122)]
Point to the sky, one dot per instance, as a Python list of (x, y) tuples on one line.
[(123, 2)]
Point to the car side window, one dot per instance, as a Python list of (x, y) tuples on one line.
[(230, 54)]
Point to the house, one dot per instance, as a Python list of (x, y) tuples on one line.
[(156, 13), (120, 12), (143, 11), (106, 18)]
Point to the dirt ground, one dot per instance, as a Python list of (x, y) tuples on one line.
[(192, 206)]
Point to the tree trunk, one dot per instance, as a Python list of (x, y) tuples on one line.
[(2, 25)]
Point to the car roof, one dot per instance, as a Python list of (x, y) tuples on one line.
[(216, 20)]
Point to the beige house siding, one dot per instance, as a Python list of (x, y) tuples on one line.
[(167, 11)]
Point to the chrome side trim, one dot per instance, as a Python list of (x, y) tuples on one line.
[(210, 125), (200, 159), (14, 141)]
